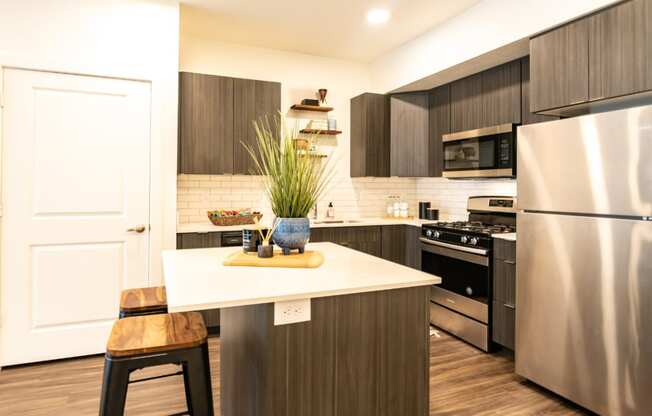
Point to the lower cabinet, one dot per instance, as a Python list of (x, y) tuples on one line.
[(203, 240), (504, 296), (365, 239), (412, 246)]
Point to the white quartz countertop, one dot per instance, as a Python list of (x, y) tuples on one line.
[(505, 236), (196, 279), (207, 227)]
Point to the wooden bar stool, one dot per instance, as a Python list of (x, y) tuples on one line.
[(151, 340), (143, 301)]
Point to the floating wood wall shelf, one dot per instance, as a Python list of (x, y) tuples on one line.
[(316, 131), (301, 107)]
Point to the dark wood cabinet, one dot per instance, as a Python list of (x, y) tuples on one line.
[(203, 240), (253, 101), (501, 94), (620, 50), (205, 124), (559, 69), (504, 293), (439, 102), (198, 240), (365, 239), (409, 135), (413, 247), (216, 115), (466, 103), (393, 243), (527, 116), (370, 135)]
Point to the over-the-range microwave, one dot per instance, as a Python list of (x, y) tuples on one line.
[(488, 152)]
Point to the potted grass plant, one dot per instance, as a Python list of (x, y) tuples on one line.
[(293, 180)]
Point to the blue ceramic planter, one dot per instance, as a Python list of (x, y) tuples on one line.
[(292, 233)]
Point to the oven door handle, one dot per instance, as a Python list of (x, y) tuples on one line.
[(480, 251)]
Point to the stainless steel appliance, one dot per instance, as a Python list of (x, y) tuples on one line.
[(460, 253), (584, 259), (482, 153)]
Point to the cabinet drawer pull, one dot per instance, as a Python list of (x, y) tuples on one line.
[(509, 261), (507, 305)]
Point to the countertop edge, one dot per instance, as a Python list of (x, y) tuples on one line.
[(309, 295)]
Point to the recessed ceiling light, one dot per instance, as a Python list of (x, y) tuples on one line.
[(377, 16)]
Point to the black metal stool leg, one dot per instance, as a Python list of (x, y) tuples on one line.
[(186, 385), (198, 382), (114, 388)]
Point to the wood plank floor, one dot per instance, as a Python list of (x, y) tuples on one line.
[(463, 381)]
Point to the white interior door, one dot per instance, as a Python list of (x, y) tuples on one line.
[(75, 179)]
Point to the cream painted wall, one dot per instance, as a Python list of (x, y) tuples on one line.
[(134, 39), (482, 28)]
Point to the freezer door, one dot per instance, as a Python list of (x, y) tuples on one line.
[(594, 164), (584, 309)]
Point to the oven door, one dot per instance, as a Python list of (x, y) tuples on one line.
[(479, 157), (466, 278)]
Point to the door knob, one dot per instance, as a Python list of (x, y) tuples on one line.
[(137, 229)]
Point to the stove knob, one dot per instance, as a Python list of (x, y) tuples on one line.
[(474, 241), (436, 234), (464, 239), (429, 233)]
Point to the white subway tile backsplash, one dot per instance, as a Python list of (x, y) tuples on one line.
[(351, 197)]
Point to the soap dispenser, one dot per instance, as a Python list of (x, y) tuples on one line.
[(330, 212)]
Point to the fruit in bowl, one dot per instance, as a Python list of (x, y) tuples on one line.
[(233, 216)]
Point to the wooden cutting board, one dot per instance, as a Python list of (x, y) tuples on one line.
[(306, 260)]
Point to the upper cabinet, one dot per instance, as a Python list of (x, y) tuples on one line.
[(620, 50), (602, 56), (439, 102), (370, 135), (527, 116), (501, 94), (205, 124), (466, 103), (409, 154), (559, 67), (216, 115), (486, 99), (253, 100)]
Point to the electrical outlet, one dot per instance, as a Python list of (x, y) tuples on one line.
[(291, 311)]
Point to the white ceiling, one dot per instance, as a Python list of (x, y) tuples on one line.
[(333, 28)]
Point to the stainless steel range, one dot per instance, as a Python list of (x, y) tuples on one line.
[(460, 253)]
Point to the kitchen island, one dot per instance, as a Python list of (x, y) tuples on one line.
[(364, 350)]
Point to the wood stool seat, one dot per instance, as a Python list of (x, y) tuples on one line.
[(148, 334), (143, 301), (139, 342)]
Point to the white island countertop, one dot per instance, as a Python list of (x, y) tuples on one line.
[(197, 280)]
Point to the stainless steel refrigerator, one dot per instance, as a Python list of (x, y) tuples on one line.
[(584, 259)]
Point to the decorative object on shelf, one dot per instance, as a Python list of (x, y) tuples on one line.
[(317, 125), (301, 107), (222, 217), (332, 124), (322, 96), (310, 101), (293, 181)]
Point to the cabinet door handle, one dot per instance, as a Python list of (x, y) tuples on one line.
[(138, 229), (509, 261), (507, 305)]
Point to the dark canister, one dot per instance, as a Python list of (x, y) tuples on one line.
[(432, 214), (423, 210), (251, 239)]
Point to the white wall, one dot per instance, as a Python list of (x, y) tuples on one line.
[(484, 27), (134, 39)]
